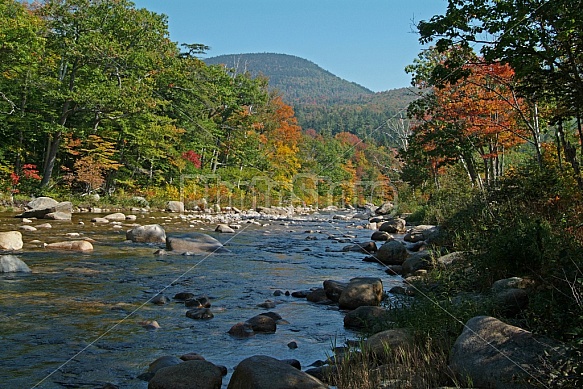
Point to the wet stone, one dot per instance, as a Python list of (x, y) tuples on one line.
[(200, 314)]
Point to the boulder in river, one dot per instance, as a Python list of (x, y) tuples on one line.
[(361, 291), (392, 252), (241, 330), (117, 216), (175, 206), (381, 236), (195, 243), (334, 289), (263, 324), (263, 372), (150, 233), (188, 374), (385, 209), (394, 226), (364, 247), (12, 264), (46, 208), (225, 229), (58, 216), (200, 314), (73, 245), (11, 240)]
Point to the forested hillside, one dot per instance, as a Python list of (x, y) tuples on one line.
[(325, 102), (299, 80)]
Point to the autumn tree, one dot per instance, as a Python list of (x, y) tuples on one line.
[(540, 40), (477, 115)]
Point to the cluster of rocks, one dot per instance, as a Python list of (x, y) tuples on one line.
[(258, 372)]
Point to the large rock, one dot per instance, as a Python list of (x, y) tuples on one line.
[(361, 291), (224, 228), (385, 209), (42, 203), (392, 253), (386, 343), (262, 323), (58, 215), (150, 233), (493, 354), (194, 374), (12, 264), (418, 261), (73, 245), (372, 319), (263, 372), (450, 259), (175, 206), (195, 243), (117, 216), (334, 289), (394, 226), (11, 240), (426, 233), (381, 236), (42, 206)]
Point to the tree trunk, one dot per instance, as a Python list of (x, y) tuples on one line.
[(51, 157)]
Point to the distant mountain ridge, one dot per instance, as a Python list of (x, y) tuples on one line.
[(323, 101), (298, 79)]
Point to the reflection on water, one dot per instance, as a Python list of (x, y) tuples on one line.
[(75, 321)]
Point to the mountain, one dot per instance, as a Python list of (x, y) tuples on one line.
[(299, 80), (323, 101)]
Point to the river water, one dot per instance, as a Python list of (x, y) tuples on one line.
[(74, 322)]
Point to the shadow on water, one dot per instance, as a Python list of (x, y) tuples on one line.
[(74, 322)]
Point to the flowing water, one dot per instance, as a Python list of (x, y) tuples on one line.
[(74, 322)]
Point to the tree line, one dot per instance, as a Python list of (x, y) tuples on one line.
[(95, 97)]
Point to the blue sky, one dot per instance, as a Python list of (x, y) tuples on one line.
[(364, 41)]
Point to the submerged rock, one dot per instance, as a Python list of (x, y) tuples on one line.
[(12, 264)]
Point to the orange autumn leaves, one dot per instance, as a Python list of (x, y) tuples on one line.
[(479, 114), (281, 141), (484, 105)]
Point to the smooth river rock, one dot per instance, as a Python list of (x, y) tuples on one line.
[(12, 264), (195, 243), (392, 252), (11, 240), (195, 374), (361, 291), (73, 245), (150, 233), (263, 372)]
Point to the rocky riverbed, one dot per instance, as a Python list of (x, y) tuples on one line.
[(90, 317)]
